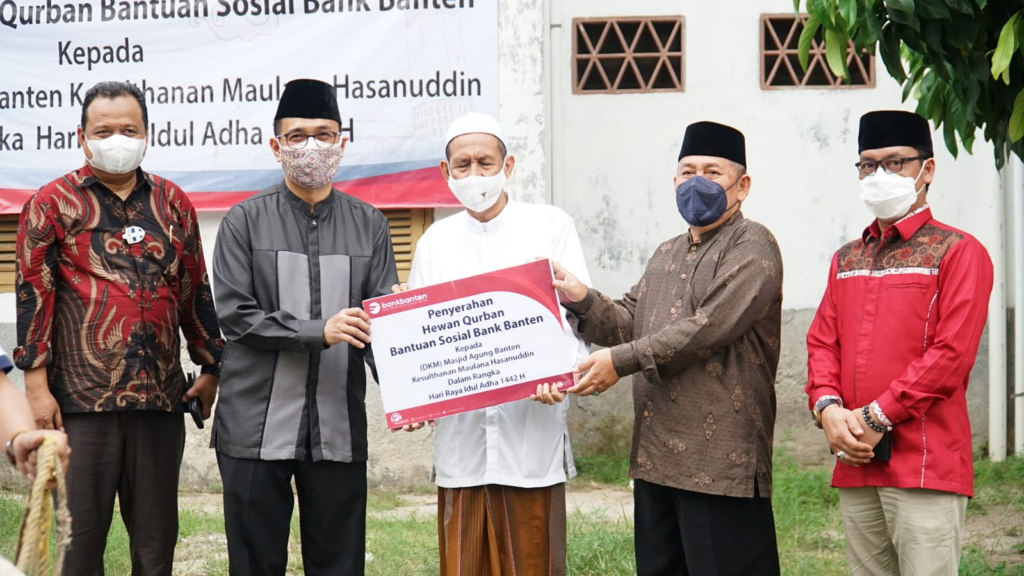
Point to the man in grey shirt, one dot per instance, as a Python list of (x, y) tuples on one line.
[(291, 267)]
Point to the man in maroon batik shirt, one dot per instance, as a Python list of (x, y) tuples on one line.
[(109, 268)]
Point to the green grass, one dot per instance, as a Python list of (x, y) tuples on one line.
[(807, 522), (806, 515), (603, 469), (383, 500)]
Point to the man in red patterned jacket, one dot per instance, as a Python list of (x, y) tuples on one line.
[(109, 268), (890, 353)]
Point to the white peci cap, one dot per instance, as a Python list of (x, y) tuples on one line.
[(475, 123)]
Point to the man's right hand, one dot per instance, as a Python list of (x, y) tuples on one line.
[(569, 288), (842, 430), (351, 326), (45, 410)]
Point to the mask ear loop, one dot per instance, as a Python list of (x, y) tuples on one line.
[(738, 201), (921, 171)]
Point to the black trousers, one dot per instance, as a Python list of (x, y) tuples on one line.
[(258, 503), (683, 533), (135, 455)]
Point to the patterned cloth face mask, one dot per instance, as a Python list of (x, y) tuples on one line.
[(311, 167)]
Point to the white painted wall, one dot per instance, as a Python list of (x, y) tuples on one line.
[(614, 155)]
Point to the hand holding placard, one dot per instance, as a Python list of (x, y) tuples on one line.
[(569, 288)]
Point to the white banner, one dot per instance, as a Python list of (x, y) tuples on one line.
[(213, 71)]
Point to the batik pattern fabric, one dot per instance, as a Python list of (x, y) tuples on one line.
[(311, 167), (101, 314)]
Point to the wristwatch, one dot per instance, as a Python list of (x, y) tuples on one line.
[(821, 404)]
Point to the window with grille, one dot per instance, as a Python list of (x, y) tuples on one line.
[(407, 226), (627, 55), (780, 66), (8, 240)]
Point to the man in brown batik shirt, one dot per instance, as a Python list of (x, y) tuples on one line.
[(700, 335)]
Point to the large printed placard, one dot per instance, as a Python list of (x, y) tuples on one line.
[(468, 344), (213, 71)]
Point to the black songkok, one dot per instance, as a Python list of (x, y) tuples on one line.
[(712, 139), (308, 99), (885, 128)]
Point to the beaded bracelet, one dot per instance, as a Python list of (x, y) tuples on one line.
[(866, 412)]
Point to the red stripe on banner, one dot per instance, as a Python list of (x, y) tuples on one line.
[(11, 201), (472, 402), (424, 188)]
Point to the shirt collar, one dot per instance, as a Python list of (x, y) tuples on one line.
[(303, 206), (707, 236), (498, 222), (89, 179), (906, 226)]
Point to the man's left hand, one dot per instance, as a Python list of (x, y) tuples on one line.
[(206, 388), (601, 374), (869, 437)]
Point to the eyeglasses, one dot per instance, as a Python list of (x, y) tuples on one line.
[(298, 140), (890, 165)]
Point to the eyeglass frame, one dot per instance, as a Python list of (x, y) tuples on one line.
[(306, 137), (881, 163)]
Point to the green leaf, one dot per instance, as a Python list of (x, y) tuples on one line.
[(932, 32), (1004, 50), (836, 46), (909, 85), (968, 140), (961, 32), (981, 4), (806, 37), (1017, 118), (796, 6), (848, 10), (934, 9), (961, 6), (819, 9), (889, 46), (956, 111), (869, 27), (900, 11), (950, 136)]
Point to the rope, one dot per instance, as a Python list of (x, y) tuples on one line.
[(32, 554)]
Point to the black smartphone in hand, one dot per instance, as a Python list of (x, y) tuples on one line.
[(195, 405)]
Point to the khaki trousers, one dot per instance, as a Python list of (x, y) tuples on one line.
[(902, 531)]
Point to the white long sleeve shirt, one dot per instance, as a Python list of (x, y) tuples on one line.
[(525, 443)]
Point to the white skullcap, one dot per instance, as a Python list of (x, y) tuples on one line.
[(475, 123)]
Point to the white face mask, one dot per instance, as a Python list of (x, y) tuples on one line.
[(478, 193), (117, 154), (889, 196)]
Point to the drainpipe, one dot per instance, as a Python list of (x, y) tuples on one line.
[(1016, 195), (997, 329)]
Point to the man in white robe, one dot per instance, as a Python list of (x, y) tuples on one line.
[(500, 471)]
